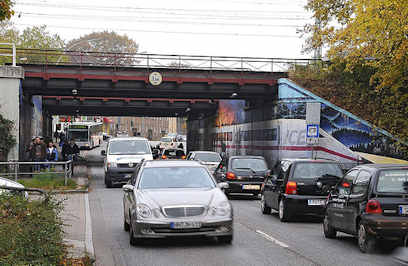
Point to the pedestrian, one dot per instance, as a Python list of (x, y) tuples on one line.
[(70, 151), (56, 136), (38, 153), (52, 154)]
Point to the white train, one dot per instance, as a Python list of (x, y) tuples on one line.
[(274, 139)]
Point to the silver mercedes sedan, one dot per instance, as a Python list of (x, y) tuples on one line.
[(176, 198)]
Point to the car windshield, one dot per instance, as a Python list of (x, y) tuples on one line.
[(174, 153), (208, 157), (175, 177), (393, 181), (249, 164), (129, 147), (78, 135), (167, 139), (313, 170)]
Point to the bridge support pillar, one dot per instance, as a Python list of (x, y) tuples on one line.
[(10, 91)]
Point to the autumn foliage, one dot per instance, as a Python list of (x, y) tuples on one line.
[(367, 69)]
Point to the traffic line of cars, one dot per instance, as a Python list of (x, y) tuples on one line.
[(170, 197)]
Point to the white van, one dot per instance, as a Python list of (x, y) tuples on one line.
[(122, 156)]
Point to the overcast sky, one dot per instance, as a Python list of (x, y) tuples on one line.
[(259, 28)]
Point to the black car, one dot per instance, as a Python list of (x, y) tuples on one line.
[(244, 174), (173, 154), (371, 203), (299, 187)]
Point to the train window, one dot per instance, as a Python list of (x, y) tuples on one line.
[(270, 134), (229, 135)]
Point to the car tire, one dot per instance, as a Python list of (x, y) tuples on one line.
[(108, 181), (284, 215), (366, 242), (126, 225), (133, 241), (225, 239), (265, 209), (328, 230)]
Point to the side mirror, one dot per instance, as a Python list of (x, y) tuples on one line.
[(223, 185), (103, 153), (128, 188)]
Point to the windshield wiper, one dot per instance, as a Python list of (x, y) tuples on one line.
[(246, 168)]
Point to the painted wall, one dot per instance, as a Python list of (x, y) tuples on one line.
[(9, 108)]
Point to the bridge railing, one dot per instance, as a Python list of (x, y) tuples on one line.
[(144, 60)]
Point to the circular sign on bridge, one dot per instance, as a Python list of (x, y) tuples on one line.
[(155, 78)]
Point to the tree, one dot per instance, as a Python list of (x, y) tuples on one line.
[(103, 48), (6, 10), (37, 38), (367, 42)]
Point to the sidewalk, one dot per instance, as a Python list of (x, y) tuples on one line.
[(77, 219)]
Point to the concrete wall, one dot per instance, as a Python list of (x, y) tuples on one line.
[(10, 81)]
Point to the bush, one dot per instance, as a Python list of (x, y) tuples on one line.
[(30, 231), (48, 181)]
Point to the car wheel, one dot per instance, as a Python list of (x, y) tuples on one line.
[(225, 239), (108, 181), (329, 231), (284, 215), (264, 207), (366, 242), (132, 239), (126, 226)]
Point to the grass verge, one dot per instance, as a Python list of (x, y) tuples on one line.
[(48, 181)]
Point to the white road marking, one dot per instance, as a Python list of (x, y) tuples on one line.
[(88, 229), (272, 239)]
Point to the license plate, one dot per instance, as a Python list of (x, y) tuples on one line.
[(316, 202), (403, 209), (251, 187), (185, 225)]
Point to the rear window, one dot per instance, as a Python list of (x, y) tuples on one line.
[(208, 157), (393, 181), (174, 152), (249, 164), (314, 170)]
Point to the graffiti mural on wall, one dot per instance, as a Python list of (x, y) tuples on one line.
[(351, 131), (37, 121), (230, 112)]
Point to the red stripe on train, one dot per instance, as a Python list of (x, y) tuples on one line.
[(290, 148)]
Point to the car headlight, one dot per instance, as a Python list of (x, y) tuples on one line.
[(221, 209), (112, 165), (143, 211)]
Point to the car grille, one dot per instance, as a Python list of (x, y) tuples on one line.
[(183, 211), (195, 230), (126, 165)]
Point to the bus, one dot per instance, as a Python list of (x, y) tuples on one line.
[(87, 135)]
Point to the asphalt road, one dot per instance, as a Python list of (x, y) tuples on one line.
[(258, 239)]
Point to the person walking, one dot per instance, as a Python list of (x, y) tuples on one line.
[(56, 136), (52, 154), (38, 153), (70, 151)]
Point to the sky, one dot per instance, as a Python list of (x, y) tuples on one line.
[(255, 28)]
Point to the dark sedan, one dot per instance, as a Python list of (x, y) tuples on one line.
[(244, 174), (175, 199), (371, 202), (299, 187), (173, 154)]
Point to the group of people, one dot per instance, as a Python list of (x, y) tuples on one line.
[(39, 151)]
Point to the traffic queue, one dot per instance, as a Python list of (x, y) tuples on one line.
[(369, 201)]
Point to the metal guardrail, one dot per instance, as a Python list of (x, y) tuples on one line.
[(14, 168), (144, 60), (12, 47)]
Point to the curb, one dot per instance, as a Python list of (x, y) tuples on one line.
[(89, 248)]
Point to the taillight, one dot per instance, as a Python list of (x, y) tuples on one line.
[(345, 185), (164, 157), (373, 206), (231, 176), (183, 157), (291, 187)]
